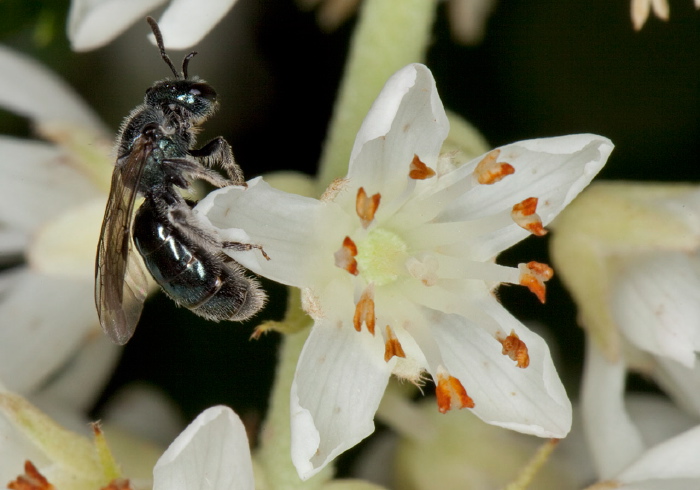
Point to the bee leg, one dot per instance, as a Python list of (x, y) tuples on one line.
[(179, 166), (242, 247), (218, 152)]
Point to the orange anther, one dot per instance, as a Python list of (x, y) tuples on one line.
[(392, 346), (419, 170), (31, 480), (515, 348), (345, 256), (118, 484), (451, 394), (525, 216), (489, 171), (533, 275), (365, 206), (364, 310)]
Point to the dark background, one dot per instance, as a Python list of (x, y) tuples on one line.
[(543, 69)]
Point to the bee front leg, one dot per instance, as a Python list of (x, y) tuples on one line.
[(218, 152)]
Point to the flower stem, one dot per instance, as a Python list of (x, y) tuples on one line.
[(390, 34)]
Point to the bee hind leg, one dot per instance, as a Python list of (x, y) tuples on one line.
[(242, 247)]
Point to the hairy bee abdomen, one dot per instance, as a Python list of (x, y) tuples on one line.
[(207, 284)]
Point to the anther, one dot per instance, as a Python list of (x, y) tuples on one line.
[(345, 256), (392, 346), (525, 216), (419, 170), (31, 480), (365, 206), (489, 171), (515, 348), (364, 310), (450, 393), (533, 275)]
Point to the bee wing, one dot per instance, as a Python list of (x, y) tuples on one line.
[(120, 283)]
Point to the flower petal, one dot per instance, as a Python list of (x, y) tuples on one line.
[(212, 452), (676, 458), (46, 319), (182, 30), (656, 303), (406, 119), (554, 170), (290, 228), (94, 23), (613, 438), (530, 400), (37, 184), (339, 382), (29, 89)]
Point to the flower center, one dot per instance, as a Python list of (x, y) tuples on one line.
[(380, 256)]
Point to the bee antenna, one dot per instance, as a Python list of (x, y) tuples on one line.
[(186, 62), (159, 40)]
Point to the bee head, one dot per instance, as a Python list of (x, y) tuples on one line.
[(196, 97)]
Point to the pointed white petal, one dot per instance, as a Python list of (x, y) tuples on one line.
[(656, 303), (339, 382), (211, 453), (46, 320), (293, 230), (613, 438), (406, 119), (531, 400), (94, 23), (30, 90), (181, 29), (554, 170), (37, 184), (674, 458), (80, 382)]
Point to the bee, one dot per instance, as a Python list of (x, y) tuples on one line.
[(155, 158)]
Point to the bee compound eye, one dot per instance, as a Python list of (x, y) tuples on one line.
[(203, 90)]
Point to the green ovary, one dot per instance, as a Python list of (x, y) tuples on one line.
[(381, 256)]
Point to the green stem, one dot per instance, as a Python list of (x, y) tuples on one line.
[(390, 34)]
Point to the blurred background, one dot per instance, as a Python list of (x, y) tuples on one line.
[(542, 69)]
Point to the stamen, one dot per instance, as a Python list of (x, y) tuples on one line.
[(118, 484), (533, 275), (31, 480), (364, 310), (392, 346), (365, 206), (450, 393), (524, 216), (515, 348), (345, 256), (419, 170), (489, 171)]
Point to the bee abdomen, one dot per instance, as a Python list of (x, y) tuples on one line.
[(193, 277)]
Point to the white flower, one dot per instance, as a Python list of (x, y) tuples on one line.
[(211, 453), (396, 262), (640, 10), (628, 253), (52, 198), (670, 465), (94, 23)]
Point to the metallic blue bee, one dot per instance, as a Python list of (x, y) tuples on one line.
[(155, 158)]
